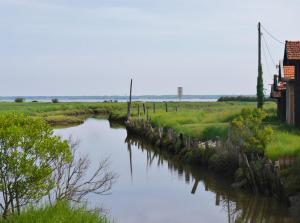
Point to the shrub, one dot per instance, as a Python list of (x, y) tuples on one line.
[(242, 98), (54, 100), (248, 132), (19, 100), (27, 152)]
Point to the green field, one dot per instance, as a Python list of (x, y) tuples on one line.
[(203, 120)]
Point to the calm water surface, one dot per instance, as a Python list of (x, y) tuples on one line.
[(152, 188)]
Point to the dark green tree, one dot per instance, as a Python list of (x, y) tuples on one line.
[(260, 88)]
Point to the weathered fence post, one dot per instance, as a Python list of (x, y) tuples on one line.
[(144, 108), (129, 103), (181, 140), (160, 132), (176, 108), (153, 107), (147, 113), (195, 186), (277, 167), (217, 203), (138, 108), (252, 177), (166, 106)]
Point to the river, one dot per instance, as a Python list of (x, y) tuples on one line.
[(153, 188)]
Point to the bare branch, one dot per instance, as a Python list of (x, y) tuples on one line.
[(72, 181)]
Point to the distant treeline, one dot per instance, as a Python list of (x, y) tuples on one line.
[(242, 98)]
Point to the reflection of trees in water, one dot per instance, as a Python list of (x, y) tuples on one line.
[(239, 206)]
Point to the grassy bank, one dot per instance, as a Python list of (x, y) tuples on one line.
[(210, 119), (71, 113), (60, 213), (203, 120)]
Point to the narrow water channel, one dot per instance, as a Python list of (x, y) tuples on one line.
[(152, 188)]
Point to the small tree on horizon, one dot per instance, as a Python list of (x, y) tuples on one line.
[(260, 88)]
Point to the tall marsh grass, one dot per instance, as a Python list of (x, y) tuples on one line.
[(62, 212)]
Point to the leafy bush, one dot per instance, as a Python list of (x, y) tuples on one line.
[(19, 100), (55, 100), (27, 152), (242, 98), (248, 132)]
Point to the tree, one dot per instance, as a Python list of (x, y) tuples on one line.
[(72, 181), (54, 100), (19, 100), (248, 132), (260, 88), (28, 150)]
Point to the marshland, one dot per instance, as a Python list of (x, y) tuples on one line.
[(149, 111), (140, 159)]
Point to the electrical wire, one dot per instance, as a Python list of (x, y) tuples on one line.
[(267, 63), (272, 36), (269, 52)]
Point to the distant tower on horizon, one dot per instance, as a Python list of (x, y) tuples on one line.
[(180, 93)]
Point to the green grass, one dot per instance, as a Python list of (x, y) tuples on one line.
[(210, 119), (203, 120), (285, 142), (62, 113), (60, 108), (60, 213)]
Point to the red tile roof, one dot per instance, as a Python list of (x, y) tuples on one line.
[(289, 72), (293, 50)]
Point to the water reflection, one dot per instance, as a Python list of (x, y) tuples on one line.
[(239, 206), (154, 188)]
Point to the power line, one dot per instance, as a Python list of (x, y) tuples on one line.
[(268, 65), (272, 36), (270, 55)]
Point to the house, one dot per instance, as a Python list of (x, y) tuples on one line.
[(286, 87)]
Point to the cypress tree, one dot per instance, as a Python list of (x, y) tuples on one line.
[(260, 88)]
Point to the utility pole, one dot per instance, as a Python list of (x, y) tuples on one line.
[(129, 103), (259, 45), (260, 83)]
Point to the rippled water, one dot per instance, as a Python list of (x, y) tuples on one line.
[(152, 188)]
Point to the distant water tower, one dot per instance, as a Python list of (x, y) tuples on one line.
[(180, 92)]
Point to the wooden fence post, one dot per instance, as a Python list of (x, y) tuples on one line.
[(144, 108), (166, 106), (147, 113), (153, 107), (138, 109), (129, 103)]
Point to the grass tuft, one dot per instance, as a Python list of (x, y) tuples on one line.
[(62, 212)]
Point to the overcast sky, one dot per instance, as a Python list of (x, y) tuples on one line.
[(94, 47)]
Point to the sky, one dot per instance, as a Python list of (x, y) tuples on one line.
[(94, 47)]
